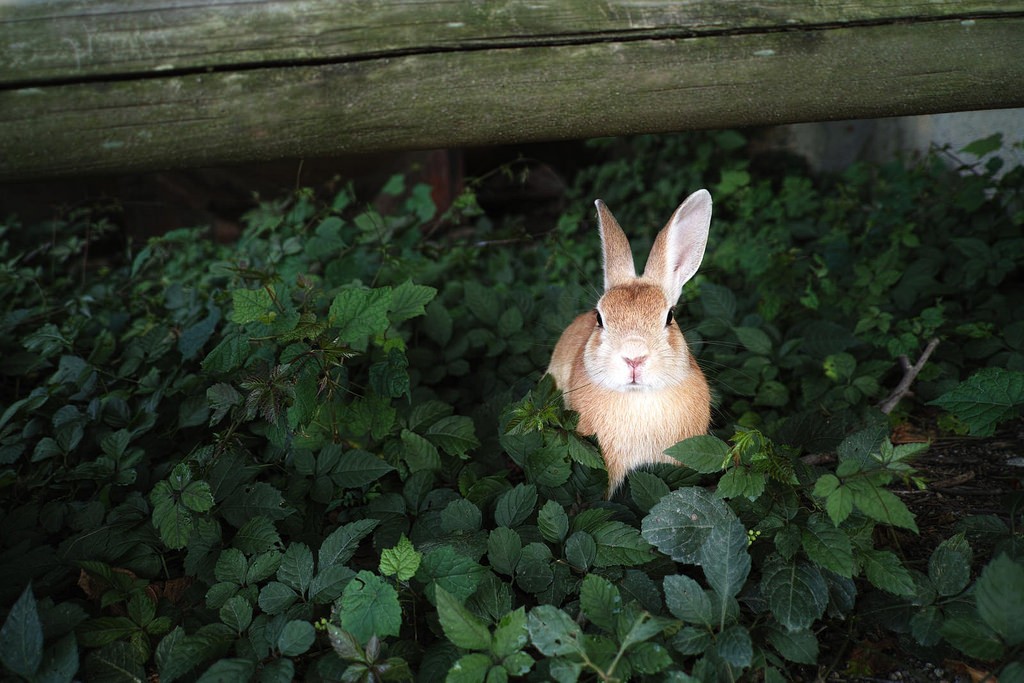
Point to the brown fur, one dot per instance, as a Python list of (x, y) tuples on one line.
[(635, 421)]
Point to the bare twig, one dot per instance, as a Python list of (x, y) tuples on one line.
[(910, 373)]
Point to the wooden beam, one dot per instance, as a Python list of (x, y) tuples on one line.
[(220, 82)]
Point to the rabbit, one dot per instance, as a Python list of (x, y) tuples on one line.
[(625, 366)]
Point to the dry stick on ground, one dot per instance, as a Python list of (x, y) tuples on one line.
[(910, 373)]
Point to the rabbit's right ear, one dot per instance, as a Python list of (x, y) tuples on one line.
[(618, 258)]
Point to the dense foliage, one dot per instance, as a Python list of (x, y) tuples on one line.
[(326, 452)]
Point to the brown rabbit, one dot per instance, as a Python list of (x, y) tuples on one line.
[(625, 367)]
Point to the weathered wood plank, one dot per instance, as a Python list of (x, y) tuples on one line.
[(488, 96), (64, 40)]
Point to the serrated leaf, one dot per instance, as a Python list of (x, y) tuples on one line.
[(231, 566), (620, 544), (796, 593), (250, 305), (359, 468), (681, 522), (986, 398), (256, 499), (553, 632), (329, 583), (471, 668), (649, 658), (735, 646), (504, 547), (828, 546), (345, 644), (275, 598), (256, 536), (983, 146), (460, 515), (236, 614), (342, 543), (581, 550), (296, 570), (705, 453), (646, 489), (533, 571), (118, 662), (369, 607), (197, 497), (1000, 598), (460, 626), (880, 504), (884, 570), (972, 637), (511, 636), (408, 300), (296, 638), (725, 559), (21, 638), (516, 505), (718, 302), (553, 522), (949, 566), (234, 669), (402, 561), (796, 646), (687, 600), (457, 574), (754, 340), (600, 601), (453, 434), (360, 313)]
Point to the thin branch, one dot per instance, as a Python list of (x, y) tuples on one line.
[(910, 373)]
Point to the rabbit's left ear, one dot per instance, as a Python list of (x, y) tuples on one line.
[(618, 258), (679, 247)]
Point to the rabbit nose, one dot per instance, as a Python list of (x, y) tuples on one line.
[(635, 362)]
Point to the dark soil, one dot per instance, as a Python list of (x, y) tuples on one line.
[(965, 478)]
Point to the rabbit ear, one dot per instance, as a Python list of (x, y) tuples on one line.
[(679, 247), (618, 258)]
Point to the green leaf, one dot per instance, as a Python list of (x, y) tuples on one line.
[(646, 489), (105, 630), (987, 398), (796, 646), (236, 614), (755, 340), (725, 559), (296, 570), (256, 535), (342, 543), (408, 301), (949, 566), (329, 583), (796, 593), (173, 521), (257, 499), (741, 482), (197, 497), (553, 632), (828, 546), (60, 663), (460, 626), (369, 607), (504, 547), (649, 658), (460, 515), (972, 637), (516, 505), (235, 669), (735, 646), (1000, 598), (453, 434), (402, 561), (884, 570), (511, 636), (345, 644), (600, 601), (552, 522), (457, 574), (687, 600), (983, 146), (682, 521), (119, 662), (581, 550), (880, 504), (228, 355), (296, 638), (718, 302), (21, 638), (250, 305), (533, 571), (482, 302), (359, 468), (705, 453), (471, 668), (360, 313), (275, 598), (620, 544)]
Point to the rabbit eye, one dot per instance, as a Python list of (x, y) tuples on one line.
[(600, 321), (668, 320)]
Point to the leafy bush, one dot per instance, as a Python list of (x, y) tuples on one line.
[(326, 453)]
